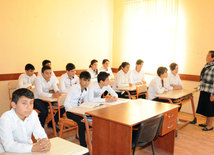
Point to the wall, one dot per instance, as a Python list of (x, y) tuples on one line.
[(194, 40), (60, 30)]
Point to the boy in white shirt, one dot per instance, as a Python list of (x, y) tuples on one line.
[(93, 69), (122, 79), (76, 96), (137, 75), (174, 79), (42, 89), (18, 125), (68, 79), (159, 85), (27, 79), (48, 63), (97, 89), (106, 68)]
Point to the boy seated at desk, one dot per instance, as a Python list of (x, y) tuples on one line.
[(174, 79), (159, 85), (18, 125), (68, 79), (97, 89), (42, 89), (106, 68), (76, 96), (122, 79), (27, 79), (48, 63)]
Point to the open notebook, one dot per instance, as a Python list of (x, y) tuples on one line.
[(95, 104)]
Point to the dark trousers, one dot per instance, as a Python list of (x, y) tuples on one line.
[(81, 127), (125, 94), (43, 109), (166, 101)]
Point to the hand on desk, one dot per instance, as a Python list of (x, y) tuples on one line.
[(111, 98), (42, 145), (56, 94), (211, 98)]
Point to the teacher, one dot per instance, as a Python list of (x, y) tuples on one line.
[(206, 98)]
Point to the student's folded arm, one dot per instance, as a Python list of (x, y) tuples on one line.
[(39, 131), (112, 92), (40, 91), (7, 140), (157, 89), (55, 87), (91, 97)]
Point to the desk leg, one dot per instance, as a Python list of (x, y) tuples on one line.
[(88, 134), (52, 118), (193, 111)]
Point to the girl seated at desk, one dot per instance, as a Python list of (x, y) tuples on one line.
[(122, 79), (93, 69), (106, 68)]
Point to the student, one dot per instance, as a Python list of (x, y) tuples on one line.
[(122, 79), (97, 89), (18, 125), (27, 79), (68, 79), (137, 75), (174, 79), (159, 84), (93, 69), (106, 68), (48, 63), (42, 89), (77, 95)]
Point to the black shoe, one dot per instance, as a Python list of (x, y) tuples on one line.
[(202, 125), (206, 129), (76, 136)]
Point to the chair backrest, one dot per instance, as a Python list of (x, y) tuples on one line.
[(149, 130), (141, 89), (60, 102), (12, 86)]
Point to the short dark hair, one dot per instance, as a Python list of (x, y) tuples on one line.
[(212, 53), (105, 60), (85, 75), (70, 66), (123, 65), (102, 76), (45, 68), (29, 67), (92, 62), (172, 66), (45, 62), (22, 92), (161, 70), (139, 62)]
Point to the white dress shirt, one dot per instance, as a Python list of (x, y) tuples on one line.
[(26, 81), (122, 80), (15, 134), (75, 97), (95, 92), (93, 74), (102, 69), (66, 82), (137, 77), (155, 87), (42, 87), (53, 75), (174, 79)]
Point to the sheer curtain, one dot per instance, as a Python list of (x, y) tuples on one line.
[(149, 32)]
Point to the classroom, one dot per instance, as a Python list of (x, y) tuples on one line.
[(76, 31)]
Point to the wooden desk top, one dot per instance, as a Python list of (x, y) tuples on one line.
[(175, 94), (48, 99), (132, 88), (59, 146), (133, 112)]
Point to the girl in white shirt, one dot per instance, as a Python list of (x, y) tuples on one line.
[(106, 68), (27, 79), (137, 75), (93, 69), (68, 79), (174, 79), (122, 79), (159, 84)]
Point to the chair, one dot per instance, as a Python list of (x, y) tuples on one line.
[(64, 121), (147, 132), (12, 86), (140, 90)]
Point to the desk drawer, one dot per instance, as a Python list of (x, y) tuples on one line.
[(170, 115)]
